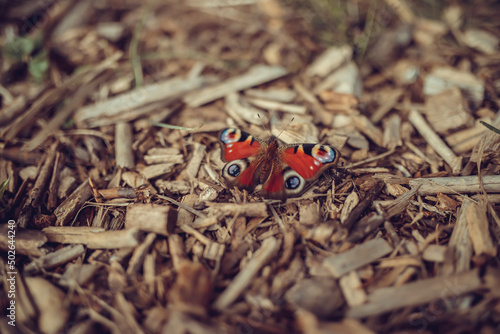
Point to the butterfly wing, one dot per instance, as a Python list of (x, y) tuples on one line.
[(244, 154), (297, 167)]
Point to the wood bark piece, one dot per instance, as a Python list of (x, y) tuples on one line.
[(213, 250), (158, 155), (447, 110), (194, 164), (350, 203), (39, 188), (435, 141), (345, 80), (153, 171), (125, 315), (389, 99), (357, 257), (54, 182), (443, 78), (364, 125), (243, 209), (463, 141), (77, 100), (318, 111), (192, 289), (50, 302), (244, 278), (459, 253), (54, 96), (481, 40), (159, 219), (54, 259), (417, 293), (352, 289), (67, 210), (123, 146), (241, 111), (273, 94), (139, 254), (434, 253), (28, 242), (257, 75), (93, 237), (392, 132), (456, 185), (363, 205), (365, 226), (156, 94), (329, 60), (479, 230), (274, 105)]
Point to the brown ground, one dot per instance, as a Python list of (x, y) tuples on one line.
[(109, 152)]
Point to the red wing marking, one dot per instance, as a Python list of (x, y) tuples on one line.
[(241, 150), (302, 163), (247, 179)]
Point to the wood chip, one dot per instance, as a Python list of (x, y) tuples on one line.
[(357, 257), (156, 94), (443, 78), (329, 60), (352, 289), (123, 148), (435, 141), (54, 259), (160, 219), (417, 293), (456, 185), (266, 251), (92, 237), (453, 110), (49, 300), (255, 76), (479, 231)]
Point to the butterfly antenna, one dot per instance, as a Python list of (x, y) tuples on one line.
[(285, 127), (263, 126)]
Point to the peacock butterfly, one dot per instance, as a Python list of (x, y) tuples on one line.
[(284, 171)]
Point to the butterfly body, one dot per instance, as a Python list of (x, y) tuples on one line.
[(282, 170)]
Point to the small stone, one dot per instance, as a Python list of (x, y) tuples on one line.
[(320, 296)]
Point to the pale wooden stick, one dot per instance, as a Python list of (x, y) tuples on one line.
[(357, 256), (133, 101), (92, 237), (479, 231), (456, 185), (246, 275), (417, 293), (123, 145), (257, 75), (54, 259), (435, 141)]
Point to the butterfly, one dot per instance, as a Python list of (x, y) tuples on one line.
[(282, 170)]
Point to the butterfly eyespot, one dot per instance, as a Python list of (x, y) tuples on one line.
[(292, 182), (234, 170), (230, 136), (323, 154)]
